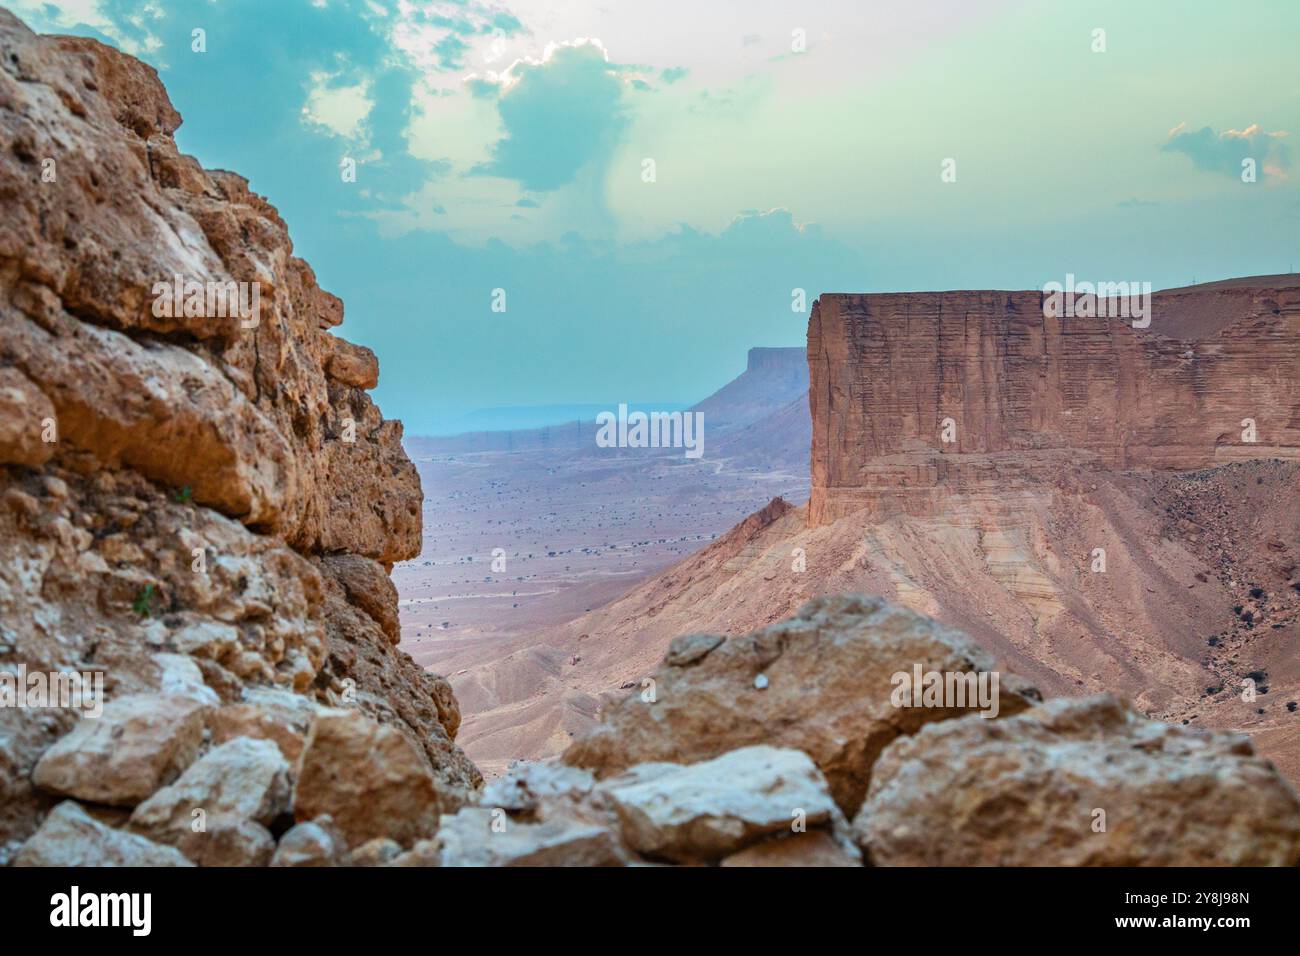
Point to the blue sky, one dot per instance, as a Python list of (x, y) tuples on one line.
[(795, 145)]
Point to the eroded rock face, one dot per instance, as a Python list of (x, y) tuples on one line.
[(1023, 390), (1036, 790), (826, 689), (198, 499)]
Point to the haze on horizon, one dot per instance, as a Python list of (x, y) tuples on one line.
[(794, 146)]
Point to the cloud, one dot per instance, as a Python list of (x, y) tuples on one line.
[(560, 114), (1224, 152), (338, 107), (131, 32), (482, 89), (673, 74)]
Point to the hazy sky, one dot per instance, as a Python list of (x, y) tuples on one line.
[(795, 145)]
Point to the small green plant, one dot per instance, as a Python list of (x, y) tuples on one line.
[(183, 495), (143, 604)]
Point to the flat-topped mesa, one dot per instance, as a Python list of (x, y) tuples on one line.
[(917, 396)]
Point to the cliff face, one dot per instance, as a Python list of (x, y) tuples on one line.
[(199, 501), (1020, 392)]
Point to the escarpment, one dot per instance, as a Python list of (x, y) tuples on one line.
[(919, 396), (198, 499)]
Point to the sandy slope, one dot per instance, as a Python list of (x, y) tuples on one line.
[(1014, 572)]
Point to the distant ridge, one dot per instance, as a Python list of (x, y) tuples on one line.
[(772, 380)]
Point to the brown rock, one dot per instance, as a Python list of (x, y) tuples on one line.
[(266, 714), (23, 411), (887, 369), (369, 778), (814, 848), (1030, 790)]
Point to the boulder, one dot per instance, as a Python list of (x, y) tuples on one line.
[(141, 742), (266, 713), (1077, 782), (370, 778), (71, 837), (705, 811), (828, 692), (217, 812), (312, 843), (484, 836)]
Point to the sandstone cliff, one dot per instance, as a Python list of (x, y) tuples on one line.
[(1099, 523), (199, 504), (1021, 391)]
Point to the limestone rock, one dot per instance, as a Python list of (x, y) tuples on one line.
[(829, 690), (482, 836), (266, 714), (707, 810), (71, 837), (139, 743), (1027, 791), (311, 843), (377, 852), (368, 777), (217, 812)]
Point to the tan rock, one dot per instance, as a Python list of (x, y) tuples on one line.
[(71, 837), (828, 693), (1032, 791), (217, 812), (139, 743), (814, 848), (24, 412), (708, 810), (483, 836), (312, 843), (377, 852), (353, 365), (266, 714), (368, 777)]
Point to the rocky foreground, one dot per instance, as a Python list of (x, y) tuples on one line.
[(202, 509)]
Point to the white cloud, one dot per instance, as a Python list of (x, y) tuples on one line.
[(342, 110)]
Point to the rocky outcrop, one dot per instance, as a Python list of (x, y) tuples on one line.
[(1082, 782), (715, 694), (1021, 391), (199, 503)]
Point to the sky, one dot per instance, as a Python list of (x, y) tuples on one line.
[(588, 202)]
